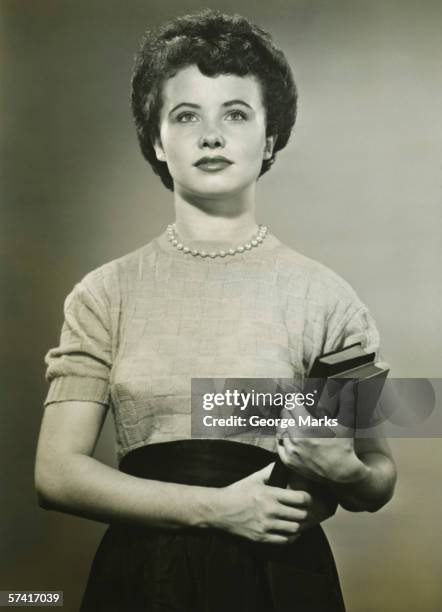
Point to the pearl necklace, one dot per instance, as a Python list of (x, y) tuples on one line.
[(173, 238)]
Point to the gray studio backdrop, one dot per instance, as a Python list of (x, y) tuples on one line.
[(359, 188)]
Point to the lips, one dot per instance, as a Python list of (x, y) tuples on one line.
[(213, 164)]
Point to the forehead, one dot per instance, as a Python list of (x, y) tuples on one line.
[(190, 85)]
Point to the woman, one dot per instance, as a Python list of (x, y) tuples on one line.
[(193, 524)]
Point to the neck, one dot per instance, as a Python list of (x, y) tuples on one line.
[(228, 219)]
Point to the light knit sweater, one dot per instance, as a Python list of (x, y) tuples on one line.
[(138, 328)]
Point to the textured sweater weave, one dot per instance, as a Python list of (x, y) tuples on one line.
[(138, 328)]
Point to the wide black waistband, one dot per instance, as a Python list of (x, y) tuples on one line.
[(214, 463)]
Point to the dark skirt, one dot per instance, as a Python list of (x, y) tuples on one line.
[(158, 570)]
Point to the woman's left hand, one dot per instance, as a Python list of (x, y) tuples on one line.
[(325, 458)]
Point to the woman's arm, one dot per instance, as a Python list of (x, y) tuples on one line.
[(70, 480), (375, 486), (361, 473)]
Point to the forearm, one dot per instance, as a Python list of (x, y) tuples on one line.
[(372, 487), (83, 486)]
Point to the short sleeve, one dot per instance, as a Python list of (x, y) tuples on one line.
[(359, 327), (78, 369), (362, 328)]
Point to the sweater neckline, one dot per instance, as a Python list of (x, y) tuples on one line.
[(162, 243)]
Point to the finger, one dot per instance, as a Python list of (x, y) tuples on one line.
[(285, 450), (295, 499), (289, 455), (284, 527), (276, 538), (288, 513)]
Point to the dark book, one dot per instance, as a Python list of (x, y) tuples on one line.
[(337, 368), (335, 362)]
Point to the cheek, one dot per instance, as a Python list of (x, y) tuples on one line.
[(176, 149), (253, 151), (253, 144), (171, 141)]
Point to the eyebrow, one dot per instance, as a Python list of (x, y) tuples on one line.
[(224, 104), (234, 102)]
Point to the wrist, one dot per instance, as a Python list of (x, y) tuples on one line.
[(210, 509)]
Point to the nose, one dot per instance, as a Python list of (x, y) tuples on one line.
[(212, 137)]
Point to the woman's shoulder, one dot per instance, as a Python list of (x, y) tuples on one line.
[(316, 280), (330, 301), (107, 280)]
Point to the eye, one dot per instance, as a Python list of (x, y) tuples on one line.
[(236, 115), (186, 117)]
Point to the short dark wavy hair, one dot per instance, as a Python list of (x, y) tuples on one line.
[(217, 44)]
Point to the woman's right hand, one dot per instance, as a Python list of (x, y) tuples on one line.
[(258, 512)]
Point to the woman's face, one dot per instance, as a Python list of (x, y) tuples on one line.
[(212, 133)]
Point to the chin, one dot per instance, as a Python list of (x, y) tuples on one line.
[(214, 193), (216, 187)]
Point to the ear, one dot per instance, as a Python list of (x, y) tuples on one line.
[(159, 151), (269, 145)]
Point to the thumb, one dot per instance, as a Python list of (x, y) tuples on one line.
[(261, 475)]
